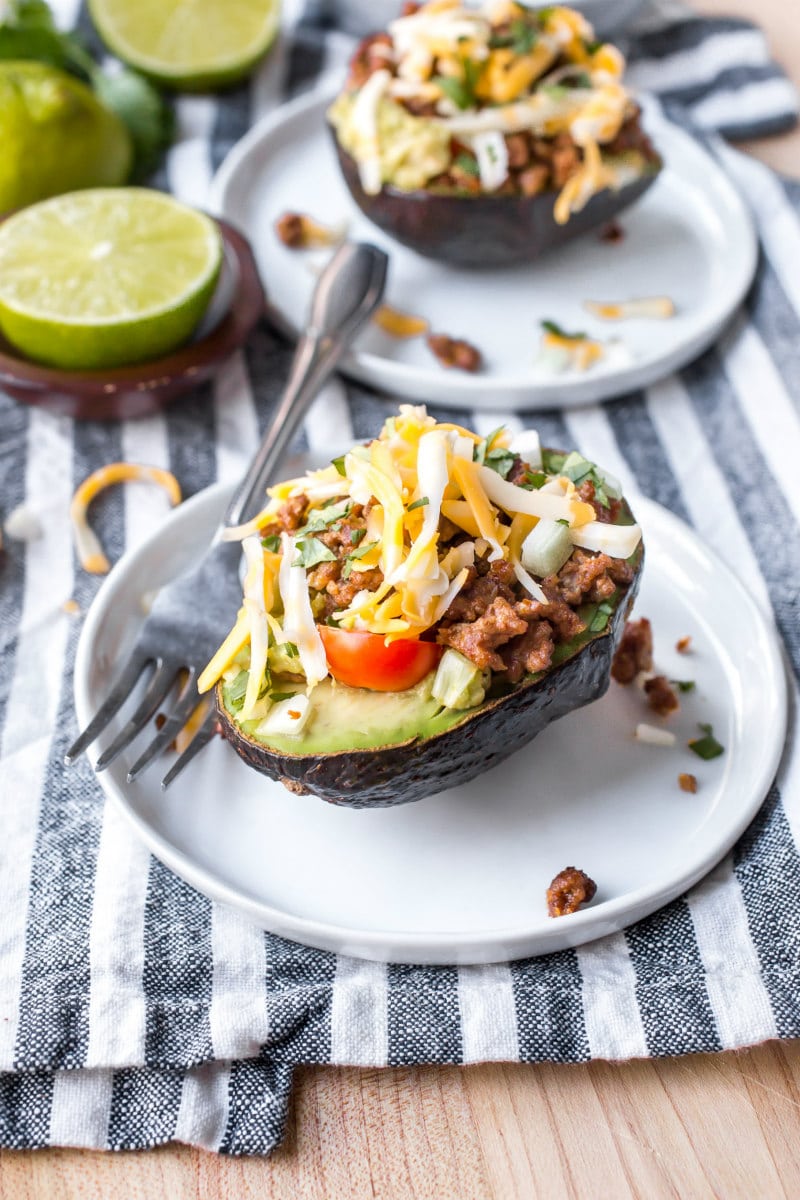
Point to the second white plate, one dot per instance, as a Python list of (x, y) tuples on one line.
[(689, 238), (461, 877)]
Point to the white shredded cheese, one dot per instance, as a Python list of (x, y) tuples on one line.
[(287, 718), (23, 524), (652, 736), (491, 153)]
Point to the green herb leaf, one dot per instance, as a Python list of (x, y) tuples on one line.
[(423, 500), (683, 685), (311, 551), (339, 464), (276, 697), (148, 118), (562, 521), (468, 164), (322, 518), (356, 536), (362, 550), (557, 331), (553, 461), (533, 480), (290, 650), (500, 461), (706, 747), (592, 47), (271, 542)]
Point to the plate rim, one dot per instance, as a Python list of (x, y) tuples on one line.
[(519, 392), (440, 947)]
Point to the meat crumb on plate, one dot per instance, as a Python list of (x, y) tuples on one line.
[(568, 891), (687, 782)]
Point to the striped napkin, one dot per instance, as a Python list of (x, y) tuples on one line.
[(135, 1011)]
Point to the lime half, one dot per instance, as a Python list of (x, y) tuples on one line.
[(106, 277), (189, 44)]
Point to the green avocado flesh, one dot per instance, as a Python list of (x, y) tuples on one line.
[(346, 718)]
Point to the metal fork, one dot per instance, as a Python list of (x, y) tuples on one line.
[(179, 635)]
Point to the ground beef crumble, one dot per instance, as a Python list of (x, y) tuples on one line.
[(569, 890), (661, 695), (635, 652)]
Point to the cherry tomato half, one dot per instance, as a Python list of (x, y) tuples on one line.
[(364, 660)]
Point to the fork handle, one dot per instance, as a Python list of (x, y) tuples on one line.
[(347, 293)]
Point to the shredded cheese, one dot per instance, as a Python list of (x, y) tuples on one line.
[(656, 308), (399, 324), (90, 552)]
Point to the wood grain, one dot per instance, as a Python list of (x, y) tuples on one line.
[(705, 1126), (723, 1125)]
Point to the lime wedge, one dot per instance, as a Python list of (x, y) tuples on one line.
[(55, 136), (188, 44), (106, 277)]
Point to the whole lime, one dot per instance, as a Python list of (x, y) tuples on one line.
[(55, 136)]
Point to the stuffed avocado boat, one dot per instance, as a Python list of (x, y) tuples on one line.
[(420, 609), (489, 135)]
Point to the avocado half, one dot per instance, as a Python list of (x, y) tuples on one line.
[(484, 736), (483, 230)]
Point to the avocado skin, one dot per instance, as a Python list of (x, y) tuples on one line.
[(412, 770), (483, 230)]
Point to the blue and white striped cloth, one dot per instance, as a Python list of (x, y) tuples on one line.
[(133, 1010)]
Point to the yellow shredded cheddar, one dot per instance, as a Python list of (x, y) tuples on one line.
[(399, 324), (185, 736), (87, 545)]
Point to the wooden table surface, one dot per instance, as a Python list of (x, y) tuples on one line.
[(713, 1125)]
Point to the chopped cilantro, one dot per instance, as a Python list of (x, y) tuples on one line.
[(500, 461), (423, 500), (271, 542), (495, 433), (461, 91), (533, 480), (522, 36), (577, 79), (562, 521), (592, 47), (356, 536), (579, 469), (683, 685), (706, 747), (339, 464), (311, 551), (276, 697), (322, 518), (479, 452), (362, 550), (557, 331), (353, 556), (469, 165), (553, 461), (290, 650)]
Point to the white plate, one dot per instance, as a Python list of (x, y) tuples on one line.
[(690, 238), (461, 877)]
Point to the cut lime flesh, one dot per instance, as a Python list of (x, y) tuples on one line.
[(105, 278), (189, 44)]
